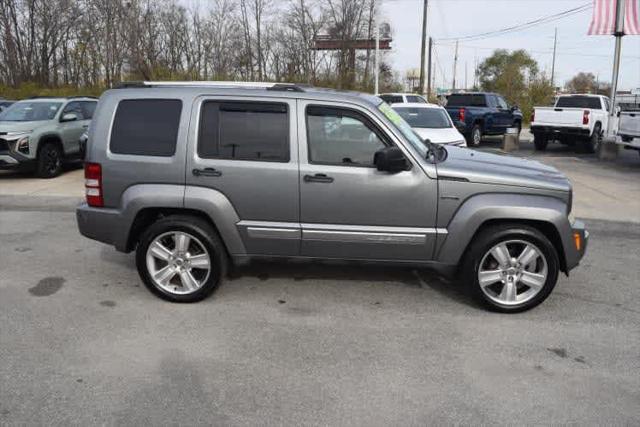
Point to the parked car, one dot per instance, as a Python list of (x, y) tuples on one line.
[(629, 129), (397, 98), (197, 176), (579, 120), (478, 113), (430, 122), (43, 132), (4, 104)]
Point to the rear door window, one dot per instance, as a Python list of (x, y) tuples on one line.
[(88, 107), (146, 127), (257, 131)]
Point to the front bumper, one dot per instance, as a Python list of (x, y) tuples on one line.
[(579, 243)]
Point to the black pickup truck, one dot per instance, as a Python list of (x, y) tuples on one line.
[(481, 113)]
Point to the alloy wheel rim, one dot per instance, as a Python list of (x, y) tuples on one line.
[(512, 272), (476, 137), (178, 263), (53, 160)]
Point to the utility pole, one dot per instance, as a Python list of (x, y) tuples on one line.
[(553, 63), (466, 85), (376, 72), (619, 32), (425, 9), (429, 68), (455, 64)]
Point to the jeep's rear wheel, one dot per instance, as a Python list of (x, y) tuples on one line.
[(49, 163), (181, 259), (511, 268)]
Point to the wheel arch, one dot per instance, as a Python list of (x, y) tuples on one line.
[(546, 214), (50, 138)]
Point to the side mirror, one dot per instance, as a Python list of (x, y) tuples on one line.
[(69, 117), (390, 159)]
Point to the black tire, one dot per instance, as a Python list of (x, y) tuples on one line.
[(49, 162), (474, 137), (592, 144), (492, 236), (199, 229), (540, 141)]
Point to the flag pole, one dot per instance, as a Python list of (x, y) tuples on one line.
[(618, 33)]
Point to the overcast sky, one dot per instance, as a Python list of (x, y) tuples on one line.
[(452, 18)]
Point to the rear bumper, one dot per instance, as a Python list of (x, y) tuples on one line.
[(579, 242), (562, 130), (103, 225)]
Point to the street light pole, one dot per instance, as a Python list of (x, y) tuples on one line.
[(376, 72), (553, 63), (619, 32), (425, 9)]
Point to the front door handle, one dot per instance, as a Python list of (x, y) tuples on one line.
[(206, 172), (319, 177)]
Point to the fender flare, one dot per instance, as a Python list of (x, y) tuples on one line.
[(483, 208)]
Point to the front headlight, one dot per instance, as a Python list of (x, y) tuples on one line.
[(22, 145)]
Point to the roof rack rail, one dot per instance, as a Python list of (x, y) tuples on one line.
[(289, 87), (82, 96), (61, 97)]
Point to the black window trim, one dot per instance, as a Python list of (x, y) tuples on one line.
[(238, 101), (139, 156), (354, 114)]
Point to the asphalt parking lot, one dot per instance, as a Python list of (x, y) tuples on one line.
[(83, 342)]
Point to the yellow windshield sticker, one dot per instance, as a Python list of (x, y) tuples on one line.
[(391, 114)]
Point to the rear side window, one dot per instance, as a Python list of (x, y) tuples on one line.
[(88, 107), (592, 102), (416, 98), (256, 131), (146, 127), (391, 99)]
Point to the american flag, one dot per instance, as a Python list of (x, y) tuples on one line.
[(603, 21)]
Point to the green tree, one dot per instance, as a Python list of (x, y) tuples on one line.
[(515, 75)]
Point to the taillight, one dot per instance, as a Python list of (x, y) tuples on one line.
[(93, 184), (533, 115), (585, 117), (461, 114)]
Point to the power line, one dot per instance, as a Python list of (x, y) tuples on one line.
[(525, 25)]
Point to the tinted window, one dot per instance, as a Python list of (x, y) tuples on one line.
[(391, 99), (146, 127), (244, 131), (434, 118), (416, 98), (341, 137), (466, 100), (579, 102), (88, 107)]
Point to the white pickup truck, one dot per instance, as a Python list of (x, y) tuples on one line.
[(629, 129), (578, 120)]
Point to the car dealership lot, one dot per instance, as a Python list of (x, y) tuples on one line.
[(82, 341)]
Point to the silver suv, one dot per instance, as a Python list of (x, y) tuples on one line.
[(197, 176), (43, 132)]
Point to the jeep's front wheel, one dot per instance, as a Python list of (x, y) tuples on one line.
[(511, 268), (181, 258)]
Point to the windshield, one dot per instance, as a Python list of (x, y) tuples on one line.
[(434, 118), (29, 111), (404, 128)]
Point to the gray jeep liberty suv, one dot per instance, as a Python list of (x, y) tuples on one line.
[(195, 175)]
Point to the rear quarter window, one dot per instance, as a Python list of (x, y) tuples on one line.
[(146, 127)]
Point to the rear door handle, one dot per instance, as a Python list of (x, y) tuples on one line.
[(319, 177), (206, 172)]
